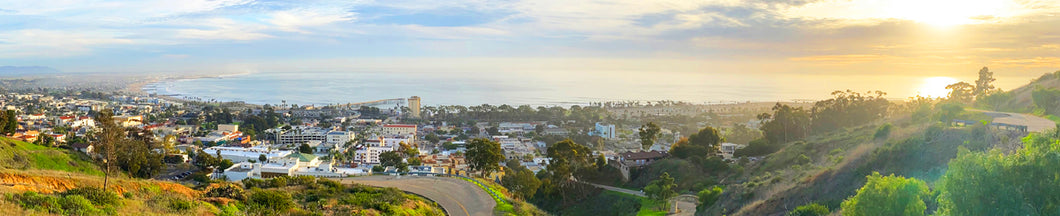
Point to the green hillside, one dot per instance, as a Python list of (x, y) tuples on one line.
[(16, 154)]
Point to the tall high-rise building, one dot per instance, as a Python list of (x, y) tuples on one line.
[(414, 106)]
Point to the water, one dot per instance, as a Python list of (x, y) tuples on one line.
[(531, 87)]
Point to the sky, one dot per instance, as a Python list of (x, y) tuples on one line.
[(1017, 38)]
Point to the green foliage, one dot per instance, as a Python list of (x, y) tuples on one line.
[(661, 189), (847, 109), (230, 191), (269, 201), (1022, 183), (1047, 99), (566, 157), (785, 124), (741, 134), (484, 155), (961, 92), (888, 195), (757, 147), (16, 154), (707, 197), (701, 144), (78, 201), (98, 196), (648, 133), (812, 209), (520, 181), (948, 111), (305, 149), (390, 158), (983, 84), (883, 131)]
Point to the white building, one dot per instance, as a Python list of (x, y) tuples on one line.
[(728, 149), (605, 131), (398, 129), (370, 154), (300, 135), (238, 154)]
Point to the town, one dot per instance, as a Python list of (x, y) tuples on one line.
[(328, 141)]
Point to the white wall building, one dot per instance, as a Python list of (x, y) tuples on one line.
[(398, 129), (238, 154), (605, 131)]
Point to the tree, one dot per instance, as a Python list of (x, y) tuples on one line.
[(708, 196), (484, 155), (888, 195), (702, 144), (433, 138), (263, 158), (661, 189), (812, 209), (982, 85), (786, 124), (305, 148), (566, 157), (390, 158), (11, 124), (520, 181), (961, 92), (847, 109), (993, 183), (742, 134), (648, 133), (106, 140)]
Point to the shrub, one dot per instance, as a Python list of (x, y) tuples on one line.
[(180, 205), (98, 196), (883, 131), (227, 191), (34, 201), (707, 197), (812, 209), (278, 201), (79, 205)]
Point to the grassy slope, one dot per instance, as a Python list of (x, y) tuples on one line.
[(841, 160), (22, 155), (1022, 101)]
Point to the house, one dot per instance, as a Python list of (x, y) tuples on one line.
[(399, 129), (728, 149), (641, 158), (82, 147)]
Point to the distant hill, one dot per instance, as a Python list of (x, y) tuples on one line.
[(26, 70), (1020, 99)]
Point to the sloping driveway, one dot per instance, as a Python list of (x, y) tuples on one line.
[(456, 196)]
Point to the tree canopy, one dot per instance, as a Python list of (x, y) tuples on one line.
[(888, 195), (484, 155), (648, 133)]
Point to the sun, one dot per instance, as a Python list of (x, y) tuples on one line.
[(947, 12), (935, 87)]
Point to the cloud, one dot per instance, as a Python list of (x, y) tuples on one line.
[(294, 20), (223, 29), (1036, 62), (845, 59), (53, 43)]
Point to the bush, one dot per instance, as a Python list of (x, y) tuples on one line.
[(812, 209), (227, 191), (79, 205), (707, 197), (883, 131), (34, 201), (98, 196), (270, 200), (180, 205)]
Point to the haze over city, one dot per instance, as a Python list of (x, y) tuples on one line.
[(530, 107)]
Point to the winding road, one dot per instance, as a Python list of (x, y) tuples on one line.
[(456, 196)]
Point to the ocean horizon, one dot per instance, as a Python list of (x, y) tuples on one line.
[(536, 88)]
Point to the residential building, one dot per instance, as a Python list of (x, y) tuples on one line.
[(414, 106), (641, 158), (728, 149), (605, 131), (398, 129)]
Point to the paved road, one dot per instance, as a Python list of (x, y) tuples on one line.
[(1033, 123), (456, 196), (685, 208)]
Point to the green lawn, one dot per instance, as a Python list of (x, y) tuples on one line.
[(25, 155)]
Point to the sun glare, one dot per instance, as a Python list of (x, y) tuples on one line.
[(947, 12), (935, 86)]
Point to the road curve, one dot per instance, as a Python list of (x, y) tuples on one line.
[(457, 196), (1033, 123)]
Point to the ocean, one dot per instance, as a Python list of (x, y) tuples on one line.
[(537, 88)]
